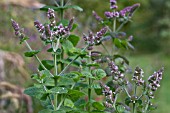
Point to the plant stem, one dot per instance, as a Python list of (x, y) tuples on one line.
[(114, 104), (120, 27), (72, 61), (61, 18), (134, 103), (114, 25), (28, 46), (126, 91), (146, 107), (105, 49), (89, 89), (49, 97), (62, 100), (56, 70)]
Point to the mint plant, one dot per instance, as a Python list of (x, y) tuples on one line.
[(62, 91)]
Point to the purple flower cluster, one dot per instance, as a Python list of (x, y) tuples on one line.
[(51, 16), (56, 31), (115, 71), (92, 39), (113, 4), (130, 10), (17, 29), (40, 27), (109, 14), (61, 30), (98, 18), (154, 80), (137, 77)]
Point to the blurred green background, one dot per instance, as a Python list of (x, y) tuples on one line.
[(150, 28)]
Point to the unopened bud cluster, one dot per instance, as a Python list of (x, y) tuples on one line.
[(113, 4), (92, 39), (138, 76), (18, 31), (51, 17), (129, 10)]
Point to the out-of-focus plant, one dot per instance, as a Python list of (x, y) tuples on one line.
[(65, 92)]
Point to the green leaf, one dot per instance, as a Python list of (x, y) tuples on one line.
[(45, 8), (74, 27), (45, 111), (23, 39), (87, 74), (64, 81), (120, 108), (45, 74), (128, 101), (73, 75), (124, 58), (49, 64), (95, 86), (33, 91), (98, 106), (68, 103), (31, 53), (74, 39), (67, 45), (117, 43), (75, 94), (99, 74), (74, 7), (58, 90), (80, 103)]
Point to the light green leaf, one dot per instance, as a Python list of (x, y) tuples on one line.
[(99, 74)]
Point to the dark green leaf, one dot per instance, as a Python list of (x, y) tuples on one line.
[(58, 90), (87, 74), (98, 106), (36, 92), (75, 94), (45, 111), (49, 64), (80, 103), (128, 101), (65, 80), (31, 53), (99, 74), (74, 39)]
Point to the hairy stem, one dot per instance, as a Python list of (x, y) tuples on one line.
[(126, 91), (147, 105), (114, 104), (120, 27), (134, 103), (105, 48), (35, 55), (72, 61)]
